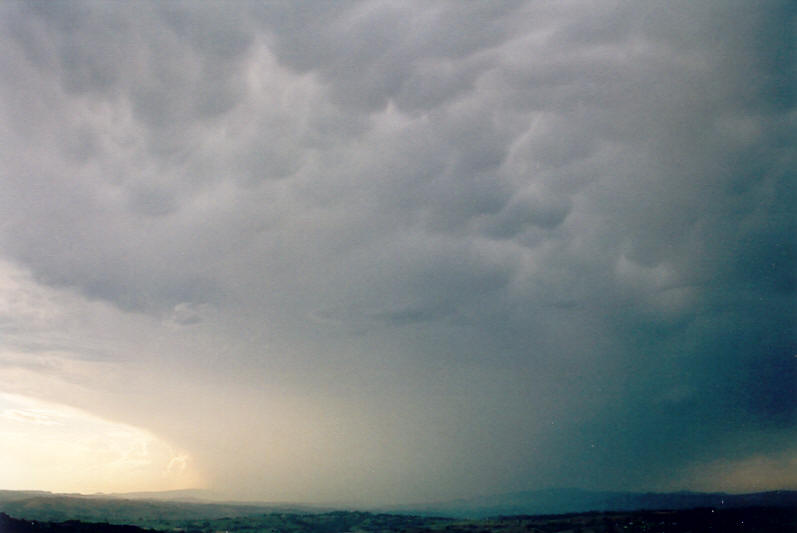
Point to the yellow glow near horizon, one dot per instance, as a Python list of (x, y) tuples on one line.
[(53, 447), (754, 473)]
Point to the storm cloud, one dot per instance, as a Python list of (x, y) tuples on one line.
[(393, 251)]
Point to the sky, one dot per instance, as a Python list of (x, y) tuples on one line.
[(393, 251)]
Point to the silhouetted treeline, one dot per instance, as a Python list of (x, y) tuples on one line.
[(15, 525)]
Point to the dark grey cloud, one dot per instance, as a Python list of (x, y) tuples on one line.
[(371, 53), (553, 242)]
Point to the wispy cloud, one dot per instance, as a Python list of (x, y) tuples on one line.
[(31, 416)]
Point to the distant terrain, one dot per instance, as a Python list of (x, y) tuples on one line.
[(561, 501), (150, 512), (740, 520), (537, 511)]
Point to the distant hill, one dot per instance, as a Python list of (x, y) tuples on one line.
[(114, 509), (163, 510), (561, 501), (184, 495), (13, 525)]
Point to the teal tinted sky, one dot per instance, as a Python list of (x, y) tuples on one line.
[(382, 252)]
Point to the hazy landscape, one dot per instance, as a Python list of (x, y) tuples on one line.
[(26, 511)]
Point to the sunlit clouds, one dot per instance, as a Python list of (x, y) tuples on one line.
[(58, 448)]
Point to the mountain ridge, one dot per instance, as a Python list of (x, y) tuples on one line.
[(122, 508), (573, 500)]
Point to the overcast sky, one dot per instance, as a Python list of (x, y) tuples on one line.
[(382, 252)]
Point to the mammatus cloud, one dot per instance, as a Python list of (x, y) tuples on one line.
[(392, 251)]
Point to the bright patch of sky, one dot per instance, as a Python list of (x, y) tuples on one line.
[(46, 446)]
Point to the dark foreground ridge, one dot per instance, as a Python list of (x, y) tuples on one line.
[(14, 525), (737, 520)]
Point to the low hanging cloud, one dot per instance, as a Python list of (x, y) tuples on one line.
[(393, 251)]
